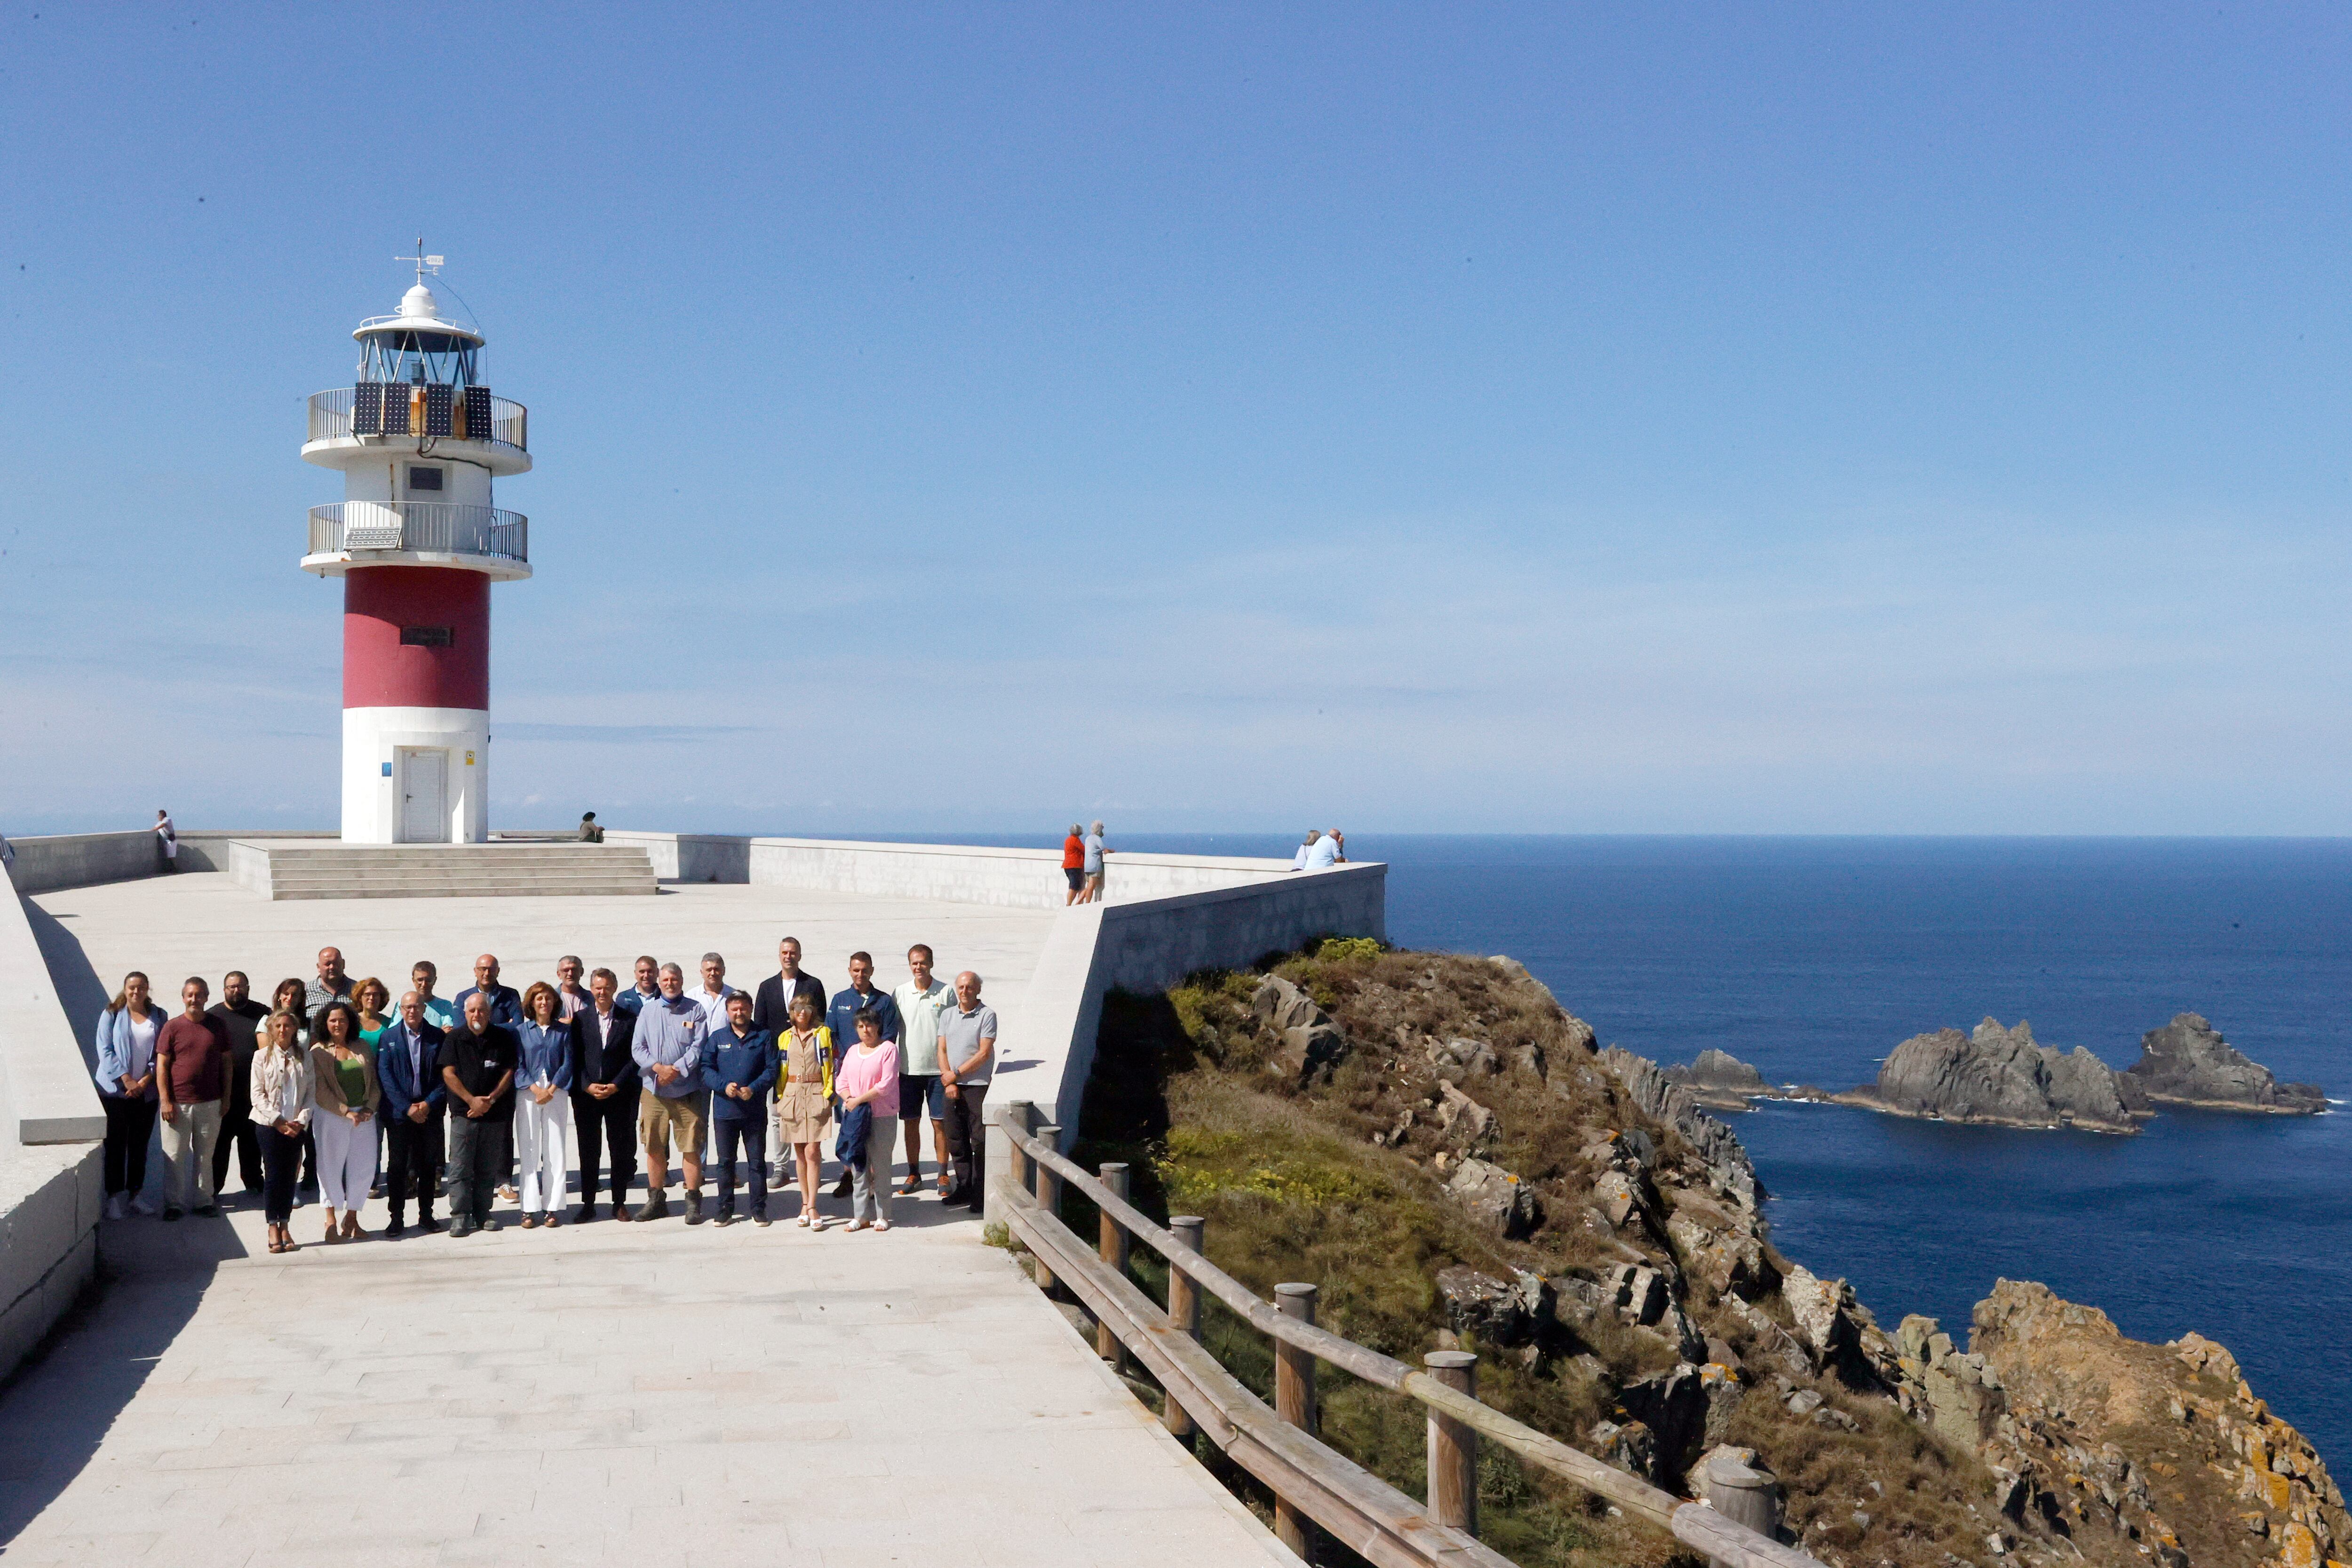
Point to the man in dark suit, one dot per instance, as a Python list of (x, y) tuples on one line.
[(413, 1095), (604, 1085), (772, 1009)]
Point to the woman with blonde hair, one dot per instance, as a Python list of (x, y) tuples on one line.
[(346, 1094), (542, 1118), (804, 1096), (281, 1115), (126, 1082)]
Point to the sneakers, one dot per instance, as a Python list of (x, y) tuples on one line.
[(655, 1206), (693, 1208), (139, 1205), (763, 1221), (119, 1206), (724, 1220), (508, 1192)]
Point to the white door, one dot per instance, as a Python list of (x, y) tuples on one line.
[(424, 797)]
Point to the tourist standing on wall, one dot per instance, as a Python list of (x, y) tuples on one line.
[(191, 1081), (281, 1107), (674, 1105), (739, 1068), (126, 1084), (840, 1015), (169, 837), (868, 1085), (571, 995), (542, 1105), (1093, 864), (344, 1095), (646, 989), (1305, 850), (772, 1009), (920, 1000), (409, 1077), (240, 1015), (477, 1068), (804, 1096), (967, 1062), (332, 982), (605, 1092), (1074, 863)]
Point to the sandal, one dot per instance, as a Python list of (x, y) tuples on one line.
[(804, 1219), (881, 1225)]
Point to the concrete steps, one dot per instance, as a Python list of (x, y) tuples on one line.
[(458, 871)]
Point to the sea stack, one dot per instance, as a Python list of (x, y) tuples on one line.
[(2188, 1062), (2001, 1076), (1721, 1081)]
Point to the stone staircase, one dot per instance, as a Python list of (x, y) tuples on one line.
[(335, 870)]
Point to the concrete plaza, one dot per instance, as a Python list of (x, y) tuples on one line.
[(652, 1395)]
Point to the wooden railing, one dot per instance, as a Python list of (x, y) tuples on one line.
[(1310, 1482)]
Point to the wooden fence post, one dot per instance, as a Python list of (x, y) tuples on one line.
[(1016, 1118), (1049, 1196), (1454, 1447), (1294, 1404), (1744, 1492), (1183, 1310), (1112, 1246)]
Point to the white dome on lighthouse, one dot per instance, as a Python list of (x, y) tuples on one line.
[(419, 301)]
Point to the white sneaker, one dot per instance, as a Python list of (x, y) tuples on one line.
[(298, 1197), (140, 1205), (117, 1207)]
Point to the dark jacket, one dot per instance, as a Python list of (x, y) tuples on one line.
[(401, 1088), (772, 1009), (506, 1006), (240, 1021), (844, 1006), (749, 1060), (610, 1063)]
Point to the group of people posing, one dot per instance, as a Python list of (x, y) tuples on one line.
[(334, 1087)]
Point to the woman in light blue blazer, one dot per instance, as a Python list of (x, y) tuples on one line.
[(126, 1083)]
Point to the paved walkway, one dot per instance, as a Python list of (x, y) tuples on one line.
[(650, 1394)]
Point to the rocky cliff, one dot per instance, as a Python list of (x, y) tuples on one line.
[(1721, 1081), (2001, 1076), (2188, 1062)]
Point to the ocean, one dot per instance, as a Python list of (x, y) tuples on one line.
[(1812, 957)]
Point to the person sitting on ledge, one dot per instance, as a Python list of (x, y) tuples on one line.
[(589, 832)]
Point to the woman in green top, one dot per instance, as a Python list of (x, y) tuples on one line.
[(372, 997), (344, 1093)]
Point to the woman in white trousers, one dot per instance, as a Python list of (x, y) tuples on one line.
[(344, 1096), (543, 1122)]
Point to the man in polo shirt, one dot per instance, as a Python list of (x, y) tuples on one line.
[(477, 1068), (673, 1106), (920, 1001), (841, 1017), (333, 981), (967, 1061), (506, 1011)]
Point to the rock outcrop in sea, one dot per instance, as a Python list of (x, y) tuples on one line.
[(2001, 1076), (2188, 1062), (1721, 1081)]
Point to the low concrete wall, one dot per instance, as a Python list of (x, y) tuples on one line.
[(1016, 878), (48, 1241), (47, 1088), (82, 859), (1048, 1047)]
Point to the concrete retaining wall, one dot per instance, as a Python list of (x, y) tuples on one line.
[(83, 859), (48, 1241), (1049, 1039), (1016, 878), (44, 1079)]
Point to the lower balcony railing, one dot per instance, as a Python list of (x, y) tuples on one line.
[(430, 526)]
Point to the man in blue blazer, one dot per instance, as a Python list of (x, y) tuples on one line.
[(414, 1095)]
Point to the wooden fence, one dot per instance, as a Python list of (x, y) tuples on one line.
[(1313, 1484)]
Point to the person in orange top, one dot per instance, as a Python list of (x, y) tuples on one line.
[(1074, 863)]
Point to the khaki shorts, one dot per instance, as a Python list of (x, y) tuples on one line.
[(659, 1117)]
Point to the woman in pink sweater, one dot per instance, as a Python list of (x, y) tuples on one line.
[(868, 1085)]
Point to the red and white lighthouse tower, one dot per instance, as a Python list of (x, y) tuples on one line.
[(417, 544)]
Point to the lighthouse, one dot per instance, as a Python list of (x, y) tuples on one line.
[(417, 541)]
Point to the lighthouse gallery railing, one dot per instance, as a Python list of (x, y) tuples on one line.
[(331, 417), (431, 527)]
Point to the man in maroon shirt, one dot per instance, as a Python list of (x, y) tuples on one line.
[(192, 1067)]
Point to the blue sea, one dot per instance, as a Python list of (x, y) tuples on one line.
[(1812, 957)]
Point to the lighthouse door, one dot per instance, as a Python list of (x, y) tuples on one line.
[(424, 797)]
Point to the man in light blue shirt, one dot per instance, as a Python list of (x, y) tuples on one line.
[(667, 1048)]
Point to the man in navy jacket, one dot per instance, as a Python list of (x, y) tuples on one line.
[(604, 1085), (414, 1095), (506, 1002), (739, 1068)]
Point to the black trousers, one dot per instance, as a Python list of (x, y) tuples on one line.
[(968, 1141), (238, 1136), (130, 1128), (607, 1127), (752, 1134), (409, 1168), (281, 1156), (475, 1151)]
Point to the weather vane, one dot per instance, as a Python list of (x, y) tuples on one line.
[(424, 263)]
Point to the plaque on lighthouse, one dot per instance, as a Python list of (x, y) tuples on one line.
[(417, 540)]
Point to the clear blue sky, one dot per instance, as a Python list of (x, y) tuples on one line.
[(1737, 418)]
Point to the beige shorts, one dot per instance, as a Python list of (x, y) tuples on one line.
[(657, 1118)]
